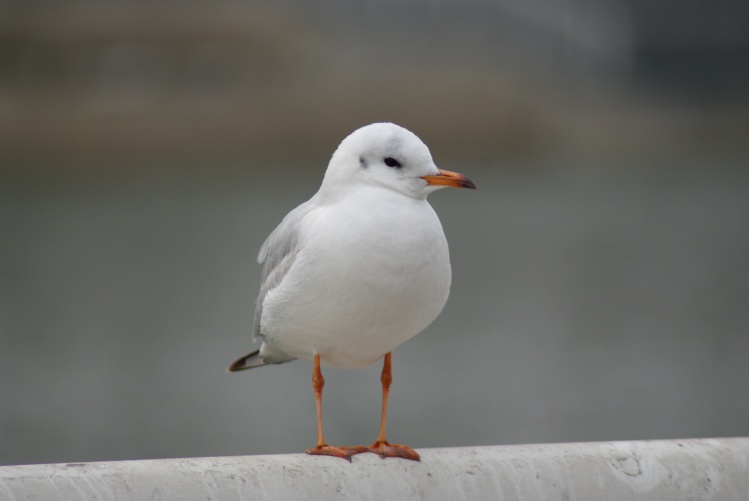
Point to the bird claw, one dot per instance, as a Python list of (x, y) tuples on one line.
[(382, 449), (386, 450), (339, 452)]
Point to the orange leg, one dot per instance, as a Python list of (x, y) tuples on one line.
[(381, 445), (322, 448)]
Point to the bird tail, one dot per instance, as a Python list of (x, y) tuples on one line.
[(249, 361)]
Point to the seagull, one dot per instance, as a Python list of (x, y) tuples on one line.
[(358, 269)]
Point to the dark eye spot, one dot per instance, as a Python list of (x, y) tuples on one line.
[(391, 162), (363, 162)]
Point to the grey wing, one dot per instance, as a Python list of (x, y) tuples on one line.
[(277, 255)]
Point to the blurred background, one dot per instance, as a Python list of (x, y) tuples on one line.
[(601, 271)]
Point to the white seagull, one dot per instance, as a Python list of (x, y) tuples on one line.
[(360, 268)]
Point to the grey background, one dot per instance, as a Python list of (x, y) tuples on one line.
[(601, 271)]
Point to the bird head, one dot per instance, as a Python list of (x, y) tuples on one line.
[(389, 156)]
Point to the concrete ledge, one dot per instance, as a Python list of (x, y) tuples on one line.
[(716, 469)]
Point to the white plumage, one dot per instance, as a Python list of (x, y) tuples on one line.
[(363, 265)]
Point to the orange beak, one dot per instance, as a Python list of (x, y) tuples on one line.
[(452, 179)]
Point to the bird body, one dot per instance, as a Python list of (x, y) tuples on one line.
[(372, 271)]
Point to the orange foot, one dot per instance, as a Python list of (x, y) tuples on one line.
[(386, 450), (339, 452)]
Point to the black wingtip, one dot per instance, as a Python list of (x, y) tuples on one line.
[(242, 363)]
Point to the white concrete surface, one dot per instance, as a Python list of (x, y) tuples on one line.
[(715, 469)]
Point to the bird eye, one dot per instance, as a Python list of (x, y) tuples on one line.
[(391, 162)]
